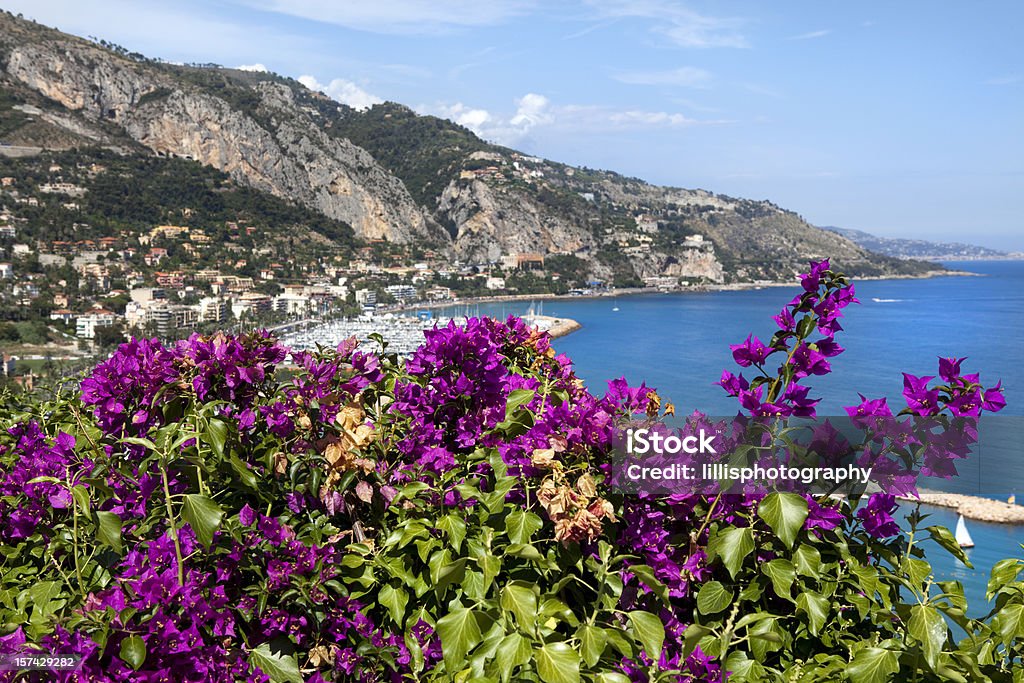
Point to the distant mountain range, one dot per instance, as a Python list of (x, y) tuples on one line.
[(393, 176), (919, 249)]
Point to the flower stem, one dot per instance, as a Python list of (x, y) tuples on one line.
[(173, 525)]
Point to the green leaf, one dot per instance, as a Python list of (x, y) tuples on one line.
[(1009, 622), (557, 663), (204, 515), (928, 627), (593, 641), (732, 545), (133, 652), (455, 528), (460, 633), (873, 665), (216, 435), (785, 513), (518, 597), (646, 575), (649, 631), (513, 650), (280, 668), (611, 677), (713, 597), (945, 538), (783, 574), (807, 561), (82, 498), (1003, 573), (518, 398), (395, 599), (108, 530), (816, 608), (521, 525)]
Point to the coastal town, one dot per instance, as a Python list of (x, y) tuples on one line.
[(71, 288)]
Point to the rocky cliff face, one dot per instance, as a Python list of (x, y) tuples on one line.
[(285, 153), (492, 221), (274, 135)]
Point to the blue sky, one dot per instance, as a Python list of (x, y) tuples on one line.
[(902, 119)]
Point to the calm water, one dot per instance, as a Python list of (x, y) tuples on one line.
[(678, 343)]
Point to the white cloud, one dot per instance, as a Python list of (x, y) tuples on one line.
[(343, 91), (812, 34), (680, 25), (253, 67), (536, 112), (684, 76), (399, 16)]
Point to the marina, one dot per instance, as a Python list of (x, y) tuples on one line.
[(403, 333)]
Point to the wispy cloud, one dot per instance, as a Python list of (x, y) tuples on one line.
[(342, 91), (684, 76), (260, 68), (680, 25), (534, 112), (399, 16), (1008, 79), (812, 34)]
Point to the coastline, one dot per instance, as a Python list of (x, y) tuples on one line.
[(972, 507), (555, 327), (633, 291)]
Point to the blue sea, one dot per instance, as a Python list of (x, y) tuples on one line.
[(679, 344)]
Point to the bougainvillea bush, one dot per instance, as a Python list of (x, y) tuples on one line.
[(223, 509)]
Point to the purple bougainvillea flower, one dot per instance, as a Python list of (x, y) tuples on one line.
[(751, 352)]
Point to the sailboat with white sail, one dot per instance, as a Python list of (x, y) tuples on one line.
[(963, 537)]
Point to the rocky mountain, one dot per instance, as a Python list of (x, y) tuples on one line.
[(918, 249), (394, 175)]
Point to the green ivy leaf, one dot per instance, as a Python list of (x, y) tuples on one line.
[(513, 650), (279, 667), (807, 561), (945, 538), (521, 525), (216, 435), (873, 665), (646, 575), (1003, 573), (783, 574), (785, 513), (713, 597), (611, 677), (133, 652), (557, 663), (455, 528), (518, 597), (648, 631), (108, 530), (460, 633), (1009, 622), (204, 515), (395, 599), (928, 627), (816, 608), (732, 545), (593, 641)]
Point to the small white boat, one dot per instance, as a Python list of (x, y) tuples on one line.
[(615, 309), (963, 537)]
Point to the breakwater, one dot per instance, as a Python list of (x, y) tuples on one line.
[(973, 507)]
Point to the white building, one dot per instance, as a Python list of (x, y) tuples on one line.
[(214, 309), (88, 323), (6, 271), (402, 292)]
